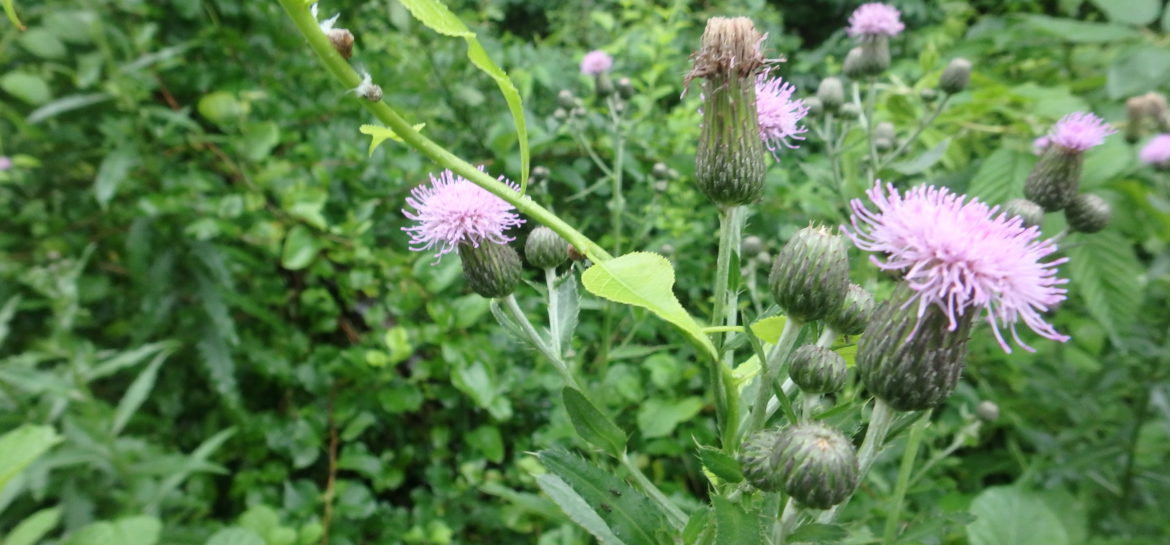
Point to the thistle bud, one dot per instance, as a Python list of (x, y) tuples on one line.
[(883, 144), (817, 370), (928, 95), (751, 246), (811, 275), (577, 111), (660, 171), (854, 313), (566, 99), (849, 111), (539, 174), (875, 55), (729, 163), (815, 106), (342, 40), (831, 93), (666, 250), (560, 114), (604, 85), (987, 411), (1053, 182), (853, 67), (625, 88), (755, 458), (1028, 211), (764, 259), (492, 270), (816, 464), (545, 249), (955, 76), (912, 362), (1088, 213), (885, 131)]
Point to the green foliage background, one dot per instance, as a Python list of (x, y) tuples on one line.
[(207, 298)]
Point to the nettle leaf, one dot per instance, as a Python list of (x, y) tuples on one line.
[(630, 515), (734, 526), (646, 280), (379, 134), (1107, 275), (592, 425), (435, 15), (1001, 176)]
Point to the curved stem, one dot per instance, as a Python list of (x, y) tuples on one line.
[(298, 11)]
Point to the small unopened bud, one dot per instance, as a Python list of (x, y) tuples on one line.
[(577, 111), (764, 258), (625, 88), (875, 55), (831, 93), (751, 246), (854, 314), (815, 106), (1135, 114), (1028, 211), (816, 464), (1088, 213), (492, 270), (367, 89), (885, 130), (987, 411), (883, 144), (817, 370), (342, 41), (853, 67), (660, 171), (955, 76), (566, 99), (540, 173), (810, 276), (756, 459), (604, 85), (928, 95), (560, 114), (849, 111), (666, 250), (1053, 182), (545, 249), (661, 185)]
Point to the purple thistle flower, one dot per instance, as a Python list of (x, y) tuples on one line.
[(1156, 152), (5, 163), (778, 115), (1079, 131), (453, 211), (875, 19), (596, 62), (963, 256), (1040, 144)]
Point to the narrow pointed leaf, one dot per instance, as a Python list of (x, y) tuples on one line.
[(592, 425)]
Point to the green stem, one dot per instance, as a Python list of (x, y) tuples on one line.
[(618, 199), (678, 519), (769, 370), (554, 325), (298, 11), (1131, 450), (539, 342), (917, 132), (908, 456), (870, 108), (787, 520), (730, 229)]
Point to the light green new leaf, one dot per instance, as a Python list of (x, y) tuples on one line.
[(32, 529), (19, 447), (10, 11), (644, 280), (769, 329), (592, 425), (379, 134), (300, 247), (435, 15)]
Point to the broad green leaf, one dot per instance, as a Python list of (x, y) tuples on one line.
[(1130, 12), (19, 447), (379, 134), (480, 384), (769, 329), (1009, 514), (1106, 162), (10, 11), (576, 508), (220, 107), (42, 43), (136, 394), (1001, 176), (435, 15), (112, 172), (141, 530), (644, 280), (721, 465), (818, 533), (658, 417), (235, 536), (66, 104), (1166, 20), (924, 161), (631, 516), (258, 139), (734, 526), (30, 88), (488, 441), (592, 425), (1048, 100), (300, 247), (32, 529), (1137, 71), (1071, 30), (1107, 276)]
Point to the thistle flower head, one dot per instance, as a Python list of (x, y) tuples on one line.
[(1157, 151), (452, 211), (1079, 131), (5, 163), (875, 19), (779, 115), (962, 256), (596, 63)]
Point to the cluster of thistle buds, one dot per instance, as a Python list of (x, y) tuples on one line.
[(1053, 185), (597, 65)]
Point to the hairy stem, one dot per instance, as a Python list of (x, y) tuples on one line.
[(678, 519), (768, 371)]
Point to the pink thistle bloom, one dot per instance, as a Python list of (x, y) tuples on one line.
[(875, 19), (963, 256), (1157, 151), (1040, 144), (1079, 131), (453, 211), (5, 163), (778, 115), (596, 62)]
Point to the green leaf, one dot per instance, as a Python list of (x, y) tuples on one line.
[(112, 172), (1106, 162), (258, 139), (235, 536), (19, 447), (435, 15), (769, 329), (632, 517), (1071, 30), (30, 88), (924, 161), (488, 441), (818, 533), (1009, 514), (698, 530), (576, 508), (592, 425), (300, 247), (721, 465), (644, 280), (1138, 70), (1166, 20), (1107, 276), (220, 107), (734, 526), (1130, 12), (142, 530), (10, 11), (32, 529), (1001, 176), (658, 417), (379, 134), (6, 313), (568, 308), (66, 104), (136, 394), (42, 43)]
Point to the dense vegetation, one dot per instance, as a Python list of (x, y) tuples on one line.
[(209, 310)]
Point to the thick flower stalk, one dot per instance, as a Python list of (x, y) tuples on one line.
[(1053, 182), (962, 257)]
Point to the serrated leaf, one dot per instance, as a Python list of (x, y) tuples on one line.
[(818, 533), (592, 425), (721, 465), (435, 15), (631, 516), (21, 446), (1001, 176), (924, 161), (379, 134), (136, 394), (576, 508), (734, 526), (645, 280), (1107, 276)]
